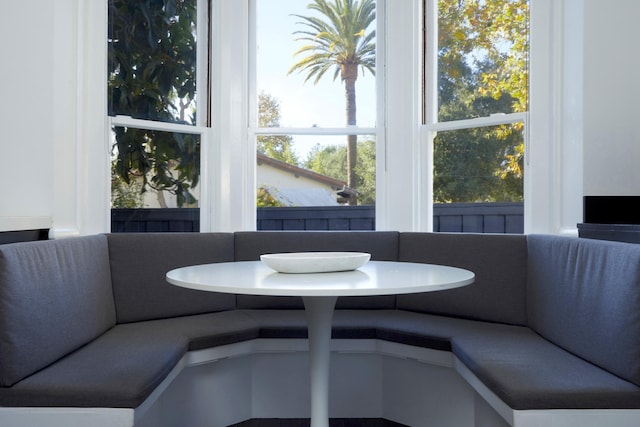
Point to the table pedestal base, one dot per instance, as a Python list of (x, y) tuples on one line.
[(319, 311)]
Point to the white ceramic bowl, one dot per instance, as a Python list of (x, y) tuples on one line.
[(315, 262)]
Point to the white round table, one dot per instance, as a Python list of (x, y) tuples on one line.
[(319, 292)]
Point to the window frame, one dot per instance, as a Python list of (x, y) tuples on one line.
[(431, 124), (201, 127), (234, 116), (254, 130)]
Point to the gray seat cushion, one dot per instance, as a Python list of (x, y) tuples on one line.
[(382, 245), (423, 330), (120, 369), (356, 324), (584, 295), (528, 372), (209, 329), (498, 261), (140, 262), (55, 296)]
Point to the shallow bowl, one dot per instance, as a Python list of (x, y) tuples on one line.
[(315, 262)]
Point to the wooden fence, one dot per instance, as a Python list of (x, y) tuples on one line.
[(453, 217)]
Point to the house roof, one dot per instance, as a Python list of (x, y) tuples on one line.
[(306, 196), (298, 171), (302, 196)]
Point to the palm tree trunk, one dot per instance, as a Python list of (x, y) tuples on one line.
[(350, 75)]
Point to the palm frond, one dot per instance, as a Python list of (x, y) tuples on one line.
[(337, 36)]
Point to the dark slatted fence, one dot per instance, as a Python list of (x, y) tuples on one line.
[(451, 217), (479, 218)]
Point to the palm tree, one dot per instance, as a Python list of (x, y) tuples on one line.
[(340, 41)]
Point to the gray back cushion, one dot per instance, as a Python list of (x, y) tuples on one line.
[(55, 296), (140, 262), (584, 295), (498, 261), (382, 245)]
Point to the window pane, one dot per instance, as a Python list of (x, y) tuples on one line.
[(479, 165), (152, 174), (483, 55), (311, 171), (152, 59), (341, 64)]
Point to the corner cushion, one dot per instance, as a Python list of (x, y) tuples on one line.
[(528, 372), (55, 296), (118, 370), (580, 291)]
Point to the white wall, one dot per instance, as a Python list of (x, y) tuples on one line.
[(611, 97), (273, 177), (26, 115)]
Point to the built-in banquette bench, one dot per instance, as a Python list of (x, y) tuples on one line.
[(91, 334)]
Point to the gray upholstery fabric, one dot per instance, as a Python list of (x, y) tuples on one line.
[(528, 372), (355, 324), (209, 329), (55, 296), (399, 326), (139, 263), (498, 261), (424, 330), (123, 366), (584, 295), (120, 369), (382, 245)]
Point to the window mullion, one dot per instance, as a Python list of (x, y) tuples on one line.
[(492, 120), (350, 130), (126, 121), (203, 62)]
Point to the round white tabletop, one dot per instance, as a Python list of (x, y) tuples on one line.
[(374, 278)]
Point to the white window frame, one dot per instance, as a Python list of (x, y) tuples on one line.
[(204, 134), (553, 151), (432, 126), (234, 198), (200, 128)]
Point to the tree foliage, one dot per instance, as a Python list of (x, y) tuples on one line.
[(483, 51), (152, 76), (332, 161), (491, 38), (339, 40), (275, 146)]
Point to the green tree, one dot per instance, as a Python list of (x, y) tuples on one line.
[(492, 38), (332, 160), (483, 69), (125, 195), (275, 146), (339, 40), (152, 75)]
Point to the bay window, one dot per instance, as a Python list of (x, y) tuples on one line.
[(221, 121)]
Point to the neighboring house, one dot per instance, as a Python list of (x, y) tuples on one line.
[(289, 185), (294, 186)]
